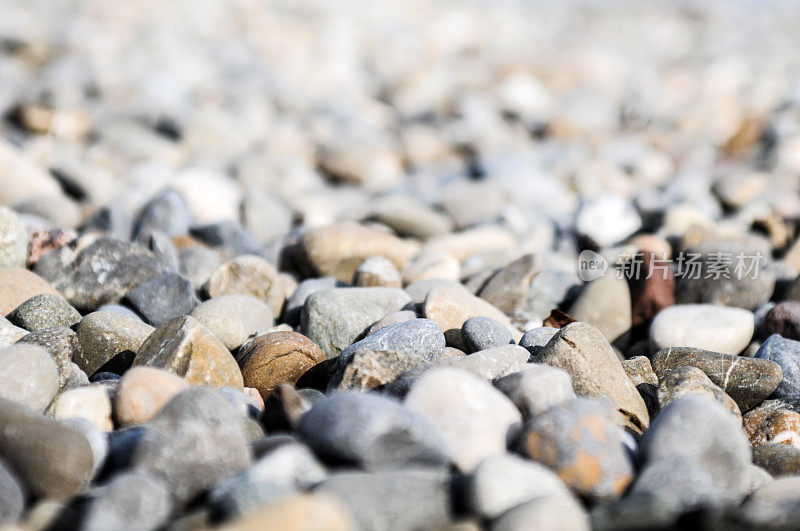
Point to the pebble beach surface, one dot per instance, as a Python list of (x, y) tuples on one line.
[(399, 265)]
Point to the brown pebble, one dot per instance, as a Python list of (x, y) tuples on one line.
[(19, 285), (142, 392), (777, 427)]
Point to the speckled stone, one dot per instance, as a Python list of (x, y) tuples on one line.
[(275, 358), (10, 334), (747, 380), (581, 441), (687, 380), (639, 370), (184, 347), (62, 344), (44, 311), (248, 275), (776, 427), (778, 459)]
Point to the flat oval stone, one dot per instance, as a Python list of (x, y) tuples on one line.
[(493, 362), (104, 335), (704, 326), (747, 380), (44, 311), (234, 319), (786, 353), (184, 347), (143, 392), (276, 358), (248, 275)]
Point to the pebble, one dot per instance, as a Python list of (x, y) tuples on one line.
[(131, 500), (301, 511), (704, 326), (400, 316), (383, 355), (28, 376), (143, 392), (377, 271), (536, 388), (12, 495), (44, 311), (62, 345), (337, 250), (295, 303), (481, 333), (91, 403), (786, 353), (59, 465), (582, 351), (233, 319), (409, 216), (748, 381), (167, 212), (493, 362), (783, 319), (162, 298), (374, 432), (605, 303), (687, 380), (650, 293), (198, 263), (431, 265), (248, 275), (580, 440), (276, 358), (13, 240), (501, 482), (507, 289), (196, 440), (640, 371), (105, 336), (19, 285), (10, 334), (556, 513), (104, 271), (184, 347), (335, 318), (778, 459), (473, 418), (775, 505), (398, 499), (607, 219), (772, 427), (536, 338)]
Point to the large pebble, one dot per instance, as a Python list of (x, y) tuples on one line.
[(747, 380), (687, 380), (582, 351), (61, 343), (143, 392), (316, 511), (248, 275), (536, 388), (90, 402), (783, 319), (295, 303), (377, 271), (373, 431), (776, 427), (19, 285), (786, 353), (233, 319), (705, 326), (184, 347), (166, 212), (507, 289), (385, 354), (480, 333), (162, 298), (605, 303), (28, 376), (473, 417), (335, 318), (105, 335), (536, 338), (44, 311), (493, 362)]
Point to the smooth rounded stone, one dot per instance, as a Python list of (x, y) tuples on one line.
[(337, 250), (377, 271), (276, 358), (58, 465), (104, 272), (699, 430), (687, 380), (375, 432), (582, 351), (581, 441), (105, 335), (783, 319), (196, 440), (418, 291), (19, 285), (166, 212), (775, 505), (28, 375), (61, 343), (162, 298), (44, 311), (12, 495), (198, 263), (120, 310), (233, 319), (316, 511), (131, 500), (776, 427), (679, 484), (90, 403), (393, 318), (335, 318), (650, 293), (13, 239), (184, 347), (502, 482), (450, 307), (639, 370), (143, 392), (536, 388), (536, 338), (778, 459), (493, 362), (786, 353), (555, 513), (382, 356), (607, 219), (390, 500), (283, 471), (481, 333), (295, 303), (248, 275), (432, 265), (508, 289), (605, 303), (483, 238), (747, 380), (473, 418), (10, 334), (704, 326), (409, 216)]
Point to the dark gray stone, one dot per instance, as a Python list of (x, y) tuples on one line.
[(44, 311), (167, 212), (536, 338), (786, 353), (163, 298), (480, 333), (228, 235)]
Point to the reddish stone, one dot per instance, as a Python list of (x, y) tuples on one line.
[(650, 295), (783, 319)]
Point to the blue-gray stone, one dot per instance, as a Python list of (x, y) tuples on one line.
[(163, 298), (480, 333), (786, 353), (536, 338)]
